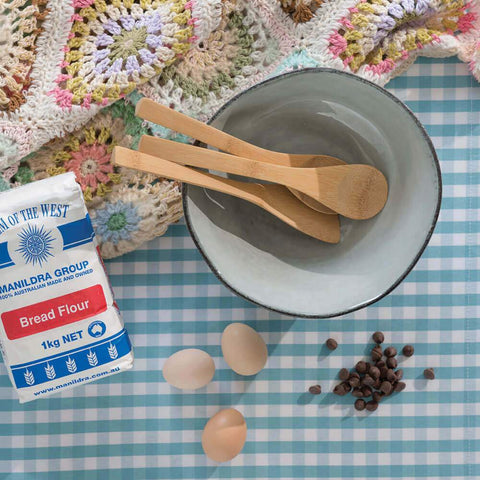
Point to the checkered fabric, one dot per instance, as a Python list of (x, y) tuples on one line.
[(134, 426)]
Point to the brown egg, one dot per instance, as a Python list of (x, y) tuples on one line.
[(189, 369), (224, 435), (243, 349)]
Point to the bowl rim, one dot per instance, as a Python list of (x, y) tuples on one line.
[(412, 264)]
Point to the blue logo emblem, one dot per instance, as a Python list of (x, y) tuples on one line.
[(35, 244), (96, 329)]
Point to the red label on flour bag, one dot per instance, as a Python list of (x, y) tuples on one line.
[(60, 325), (54, 313)]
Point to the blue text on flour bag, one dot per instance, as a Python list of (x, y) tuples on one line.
[(59, 326)]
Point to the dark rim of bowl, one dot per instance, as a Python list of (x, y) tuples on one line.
[(422, 130)]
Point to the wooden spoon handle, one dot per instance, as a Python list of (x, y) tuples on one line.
[(140, 161), (174, 151), (193, 156), (162, 115)]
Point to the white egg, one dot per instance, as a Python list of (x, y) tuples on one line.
[(243, 349), (189, 369)]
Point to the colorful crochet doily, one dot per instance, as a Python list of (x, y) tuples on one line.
[(71, 72)]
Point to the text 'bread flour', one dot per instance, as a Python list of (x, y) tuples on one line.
[(60, 325)]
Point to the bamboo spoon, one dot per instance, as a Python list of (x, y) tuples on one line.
[(167, 117), (354, 191), (162, 115), (153, 146), (273, 198)]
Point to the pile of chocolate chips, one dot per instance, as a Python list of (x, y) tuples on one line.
[(376, 379)]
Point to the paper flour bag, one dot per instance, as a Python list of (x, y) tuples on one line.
[(60, 326)]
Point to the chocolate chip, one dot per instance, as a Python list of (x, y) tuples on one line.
[(408, 350), (400, 386), (386, 388), (392, 362), (357, 392), (371, 406), (377, 383), (315, 389), (374, 372), (360, 404), (380, 364), (390, 352), (368, 365), (346, 386), (361, 367), (339, 390), (399, 374), (378, 337), (376, 354), (366, 390), (429, 373), (391, 377), (368, 380), (343, 374), (354, 381), (331, 344), (383, 372), (377, 396)]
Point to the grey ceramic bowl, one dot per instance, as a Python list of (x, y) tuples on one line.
[(271, 264)]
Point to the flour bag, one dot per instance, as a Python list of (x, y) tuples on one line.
[(60, 325)]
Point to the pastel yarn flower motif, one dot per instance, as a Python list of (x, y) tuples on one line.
[(116, 221), (91, 165), (127, 45), (115, 46), (135, 213), (87, 153)]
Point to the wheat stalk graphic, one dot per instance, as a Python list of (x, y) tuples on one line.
[(92, 358), (50, 371), (112, 351), (29, 378), (71, 365)]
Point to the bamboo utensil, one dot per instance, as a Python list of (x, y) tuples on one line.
[(153, 146), (167, 117), (355, 191)]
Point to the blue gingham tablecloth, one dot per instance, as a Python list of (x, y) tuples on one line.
[(134, 426)]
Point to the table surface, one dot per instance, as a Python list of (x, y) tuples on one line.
[(135, 426)]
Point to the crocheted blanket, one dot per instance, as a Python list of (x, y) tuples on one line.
[(71, 72)]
